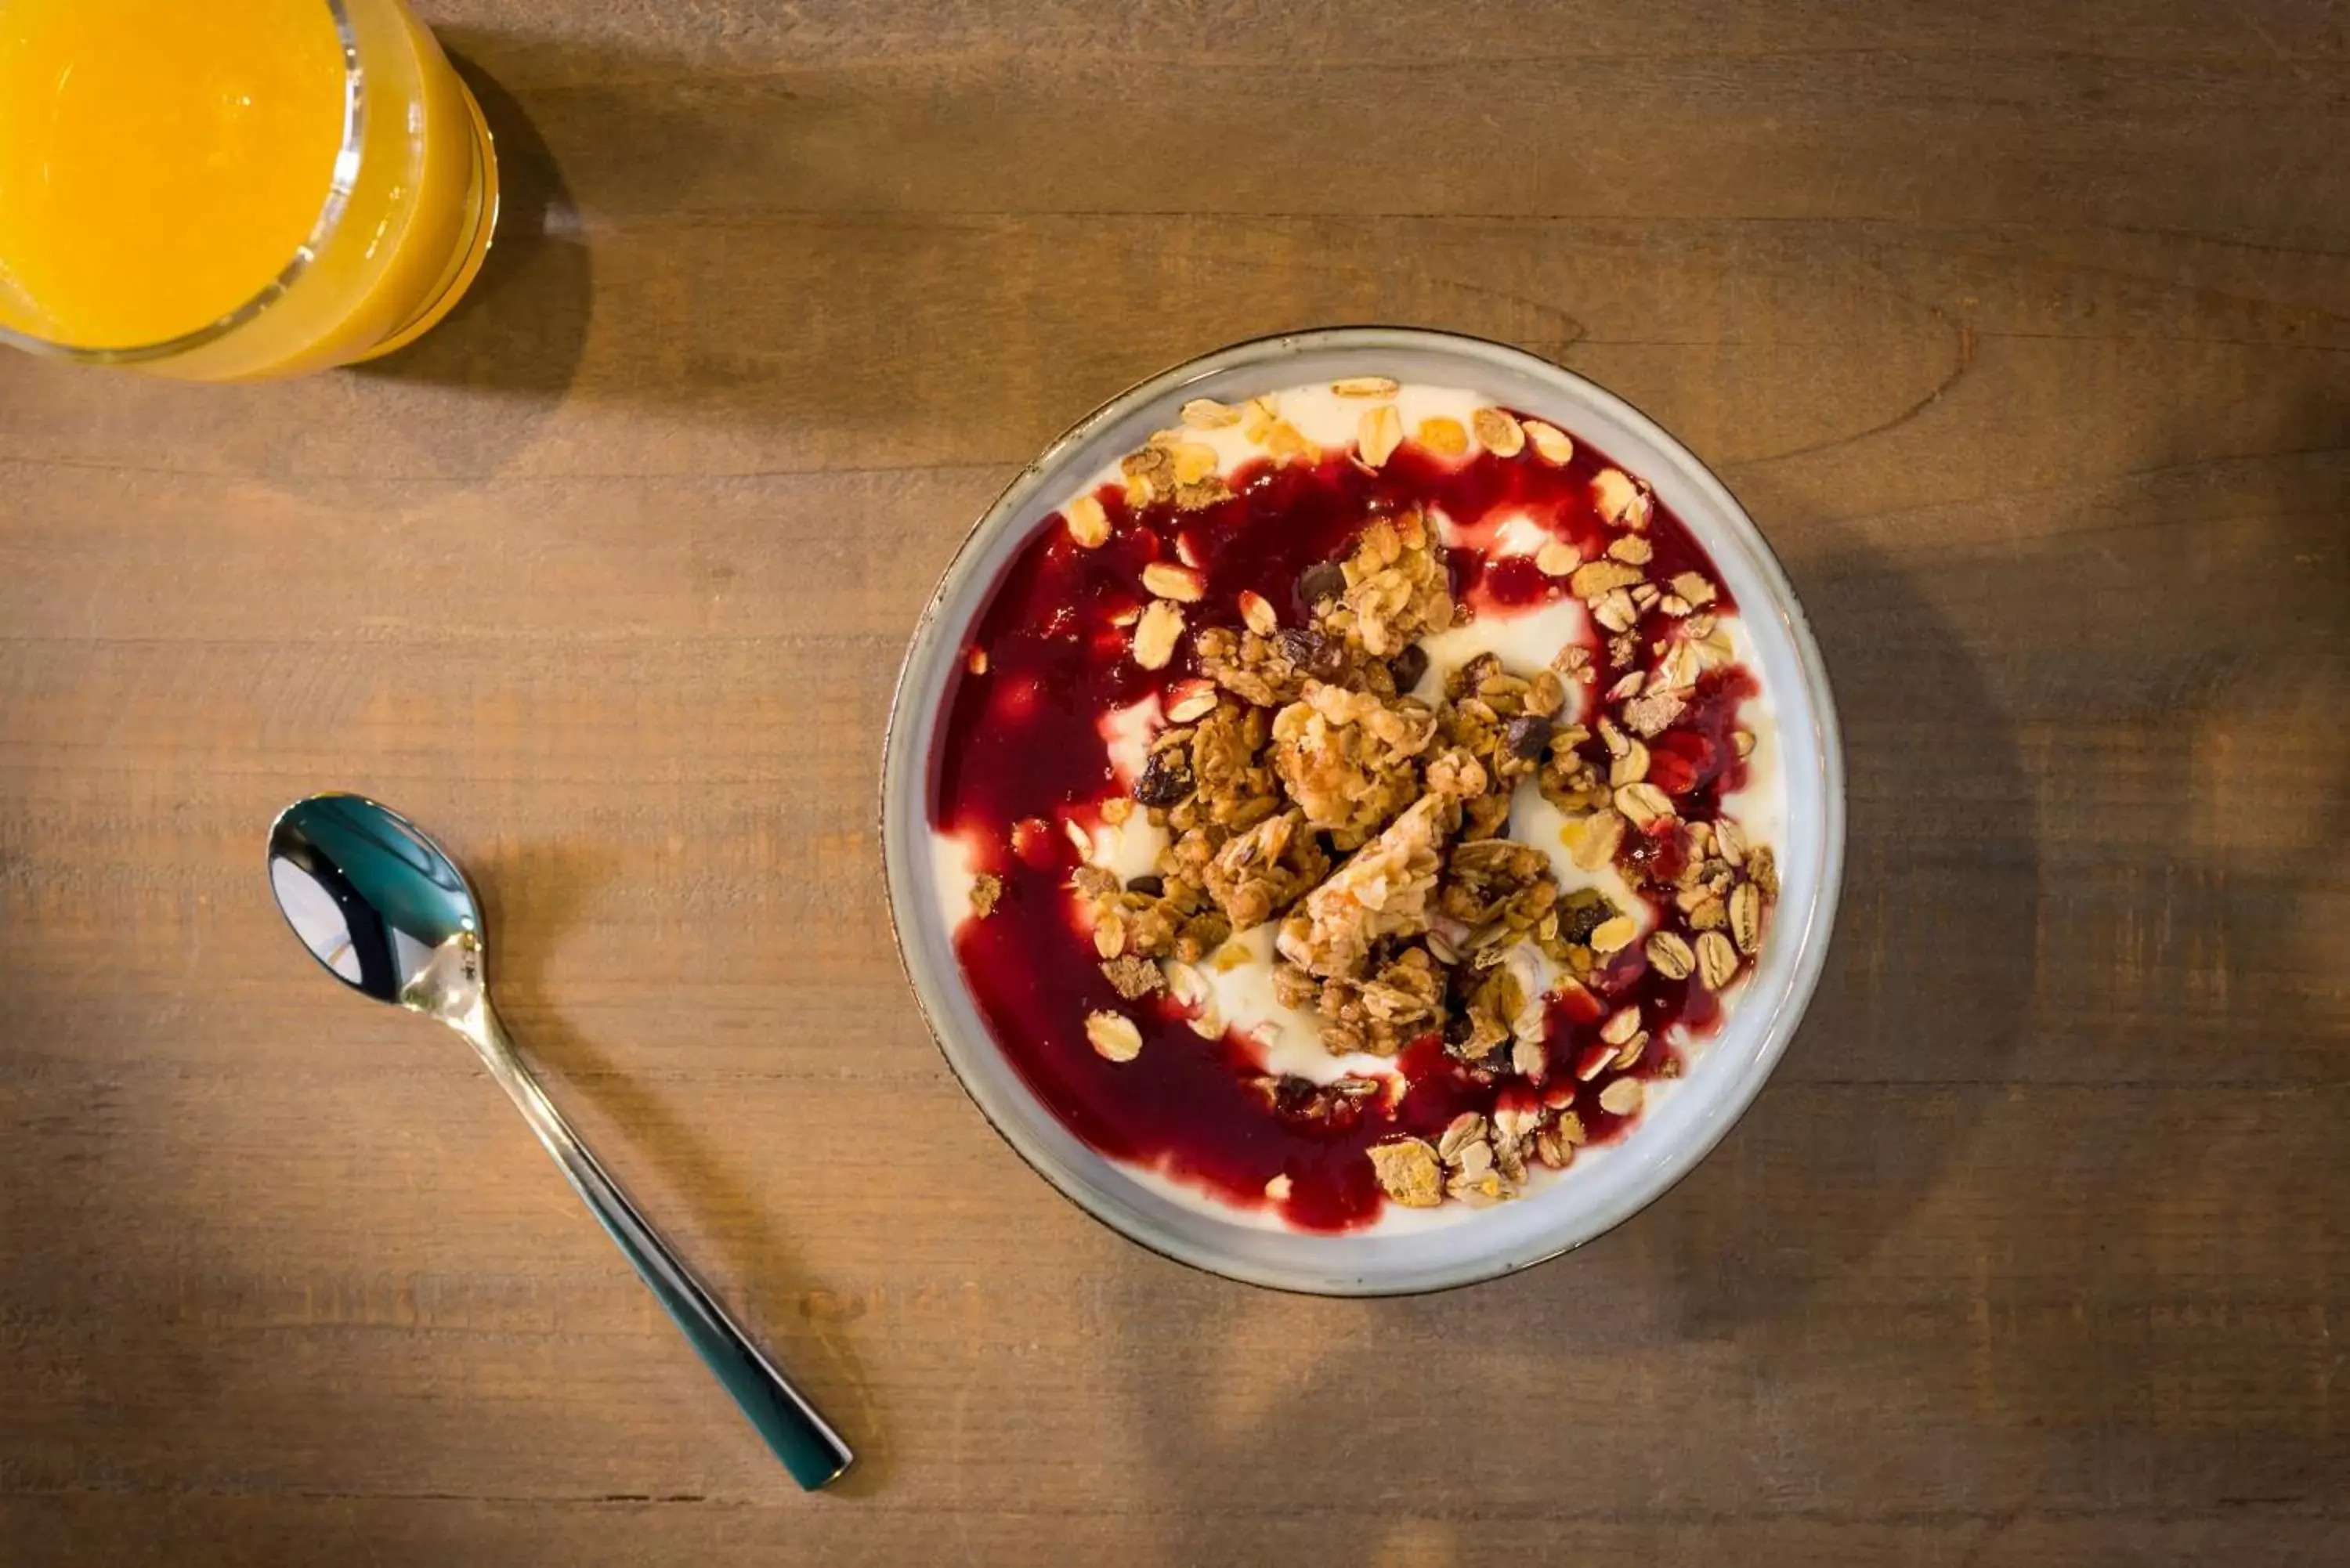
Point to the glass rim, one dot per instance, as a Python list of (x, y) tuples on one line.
[(344, 180)]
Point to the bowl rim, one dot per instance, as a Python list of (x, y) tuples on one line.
[(900, 773)]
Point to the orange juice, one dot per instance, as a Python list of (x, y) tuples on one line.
[(227, 189)]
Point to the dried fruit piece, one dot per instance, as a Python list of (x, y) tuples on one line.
[(1550, 443), (1194, 462), (1155, 635), (1746, 916), (1558, 559), (1717, 961), (1113, 1036), (1527, 735), (1408, 1173), (1257, 613), (1207, 414), (1172, 582), (1377, 435), (1614, 935), (1322, 581), (1444, 437), (1285, 440), (1167, 776), (1497, 432), (1087, 523), (1623, 1097), (1366, 387), (1669, 955)]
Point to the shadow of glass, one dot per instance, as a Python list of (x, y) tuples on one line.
[(521, 329), (1926, 997)]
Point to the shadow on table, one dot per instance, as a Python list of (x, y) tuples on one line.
[(545, 887), (521, 327), (1927, 981), (1970, 967)]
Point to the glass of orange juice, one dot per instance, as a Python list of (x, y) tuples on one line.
[(225, 190)]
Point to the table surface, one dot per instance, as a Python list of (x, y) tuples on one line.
[(2025, 337)]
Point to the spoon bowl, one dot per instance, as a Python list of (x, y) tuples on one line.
[(385, 910), (373, 898)]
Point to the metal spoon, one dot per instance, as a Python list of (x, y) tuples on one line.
[(386, 910)]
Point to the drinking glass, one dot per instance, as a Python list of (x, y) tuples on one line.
[(235, 189)]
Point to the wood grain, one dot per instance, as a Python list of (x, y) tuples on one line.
[(2025, 333)]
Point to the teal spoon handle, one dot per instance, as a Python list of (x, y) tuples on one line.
[(808, 1446)]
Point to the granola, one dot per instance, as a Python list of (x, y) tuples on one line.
[(1350, 758), (1384, 889)]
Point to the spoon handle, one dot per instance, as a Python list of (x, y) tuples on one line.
[(808, 1446)]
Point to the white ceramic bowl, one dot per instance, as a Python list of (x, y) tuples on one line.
[(1724, 1075)]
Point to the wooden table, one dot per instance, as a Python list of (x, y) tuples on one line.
[(2025, 337)]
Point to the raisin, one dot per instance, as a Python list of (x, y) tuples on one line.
[(1149, 887), (1409, 666), (1527, 734), (1323, 657), (1582, 912), (1327, 580), (1166, 777)]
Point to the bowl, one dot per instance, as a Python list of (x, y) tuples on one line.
[(1678, 1129)]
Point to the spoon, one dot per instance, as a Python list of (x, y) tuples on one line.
[(388, 912)]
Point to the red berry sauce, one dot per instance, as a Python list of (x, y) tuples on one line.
[(1020, 753)]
